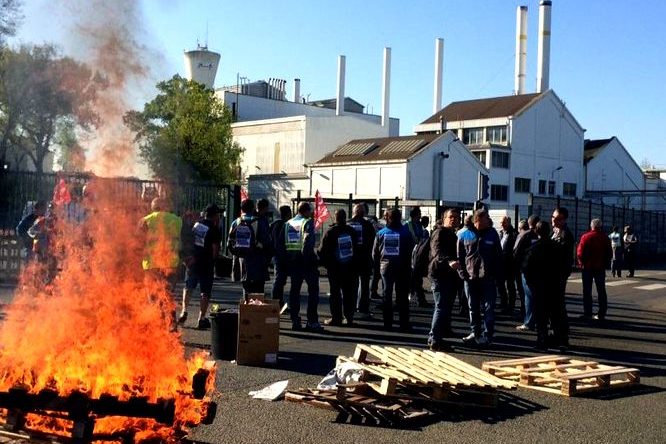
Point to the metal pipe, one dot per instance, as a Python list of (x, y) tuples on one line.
[(437, 93), (386, 86), (543, 47), (521, 50), (297, 90), (340, 96)]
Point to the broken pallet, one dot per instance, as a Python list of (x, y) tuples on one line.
[(562, 375)]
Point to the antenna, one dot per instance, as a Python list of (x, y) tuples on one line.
[(206, 34)]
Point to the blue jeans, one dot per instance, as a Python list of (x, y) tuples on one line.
[(599, 277), (281, 274), (529, 305), (444, 292), (311, 276), (481, 295)]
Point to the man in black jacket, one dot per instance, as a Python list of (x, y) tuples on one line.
[(336, 253), (444, 280), (365, 238), (276, 230), (563, 264)]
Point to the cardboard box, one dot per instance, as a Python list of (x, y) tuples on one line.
[(258, 333)]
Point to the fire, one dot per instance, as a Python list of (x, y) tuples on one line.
[(98, 324)]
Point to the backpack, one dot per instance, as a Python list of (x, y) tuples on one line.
[(242, 238), (421, 257)]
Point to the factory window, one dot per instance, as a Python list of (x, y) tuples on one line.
[(522, 185), (569, 189), (542, 187), (473, 136), (500, 159), (497, 134), (499, 192), (551, 187), (481, 155)]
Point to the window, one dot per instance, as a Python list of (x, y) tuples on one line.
[(542, 187), (569, 189), (522, 185), (499, 192), (500, 159), (473, 136), (481, 155), (496, 134), (551, 188)]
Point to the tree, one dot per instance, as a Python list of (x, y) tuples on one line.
[(39, 93), (10, 17), (184, 134)]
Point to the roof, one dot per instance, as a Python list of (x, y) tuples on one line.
[(483, 108), (594, 147), (332, 103), (380, 149)]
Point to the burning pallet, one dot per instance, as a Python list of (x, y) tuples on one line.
[(399, 385), (77, 413), (562, 375)]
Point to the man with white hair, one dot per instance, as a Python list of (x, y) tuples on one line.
[(594, 254)]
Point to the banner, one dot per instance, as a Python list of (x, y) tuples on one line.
[(321, 213)]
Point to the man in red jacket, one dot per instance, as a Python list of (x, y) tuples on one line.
[(594, 254)]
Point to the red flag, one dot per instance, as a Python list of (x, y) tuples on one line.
[(61, 194), (321, 211), (244, 194)]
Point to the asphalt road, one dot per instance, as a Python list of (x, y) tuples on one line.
[(634, 334)]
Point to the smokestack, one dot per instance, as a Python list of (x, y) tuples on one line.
[(439, 57), (340, 102), (521, 50), (297, 90), (268, 88), (386, 86), (543, 48)]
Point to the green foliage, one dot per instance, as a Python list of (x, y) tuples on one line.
[(184, 134)]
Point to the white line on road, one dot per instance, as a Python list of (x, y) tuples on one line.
[(617, 283), (575, 281), (651, 287)]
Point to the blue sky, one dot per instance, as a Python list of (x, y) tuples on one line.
[(607, 57)]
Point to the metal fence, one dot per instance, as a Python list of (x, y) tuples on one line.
[(19, 188)]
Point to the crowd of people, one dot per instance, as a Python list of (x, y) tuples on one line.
[(466, 260)]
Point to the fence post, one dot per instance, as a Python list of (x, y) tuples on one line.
[(350, 204), (298, 199), (530, 204), (395, 201), (558, 201), (576, 219)]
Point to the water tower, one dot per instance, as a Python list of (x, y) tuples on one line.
[(201, 65)]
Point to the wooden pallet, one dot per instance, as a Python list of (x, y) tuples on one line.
[(361, 409), (562, 375)]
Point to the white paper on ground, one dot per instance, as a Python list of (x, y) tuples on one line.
[(343, 373), (272, 392)]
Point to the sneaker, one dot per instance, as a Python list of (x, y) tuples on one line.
[(348, 323), (333, 322), (598, 317), (203, 324), (182, 318), (314, 327), (523, 327), (470, 338)]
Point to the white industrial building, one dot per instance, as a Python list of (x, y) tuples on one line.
[(416, 168), (530, 143)]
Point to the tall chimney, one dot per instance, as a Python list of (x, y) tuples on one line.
[(543, 48), (340, 101), (297, 90), (386, 86), (439, 57), (521, 50)]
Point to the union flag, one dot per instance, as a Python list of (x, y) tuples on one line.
[(321, 213)]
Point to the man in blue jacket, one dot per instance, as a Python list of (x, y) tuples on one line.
[(392, 255), (479, 254)]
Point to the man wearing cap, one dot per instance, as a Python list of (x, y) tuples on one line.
[(200, 264), (299, 242)]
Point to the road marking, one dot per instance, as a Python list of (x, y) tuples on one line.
[(651, 287), (617, 283)]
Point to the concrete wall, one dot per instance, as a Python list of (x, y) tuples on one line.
[(376, 181), (278, 190)]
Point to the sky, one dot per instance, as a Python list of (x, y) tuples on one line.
[(607, 57)]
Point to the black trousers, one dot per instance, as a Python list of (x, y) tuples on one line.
[(342, 301), (550, 308)]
